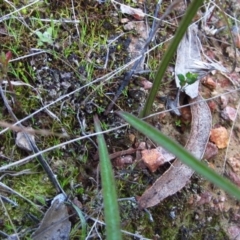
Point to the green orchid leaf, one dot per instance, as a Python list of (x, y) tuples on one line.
[(111, 210)]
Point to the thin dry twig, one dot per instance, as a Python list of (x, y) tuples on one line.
[(43, 132)]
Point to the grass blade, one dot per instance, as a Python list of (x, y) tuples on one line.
[(83, 221), (181, 153), (111, 210), (190, 13)]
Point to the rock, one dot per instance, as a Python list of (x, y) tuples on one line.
[(220, 137)]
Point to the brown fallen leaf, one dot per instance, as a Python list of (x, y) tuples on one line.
[(212, 105), (209, 83), (220, 137), (145, 83), (55, 224), (137, 13), (178, 175), (123, 161), (153, 158)]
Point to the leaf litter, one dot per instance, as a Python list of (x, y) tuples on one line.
[(50, 75)]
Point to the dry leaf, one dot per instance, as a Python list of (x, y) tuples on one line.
[(22, 142), (141, 145), (212, 105), (132, 137), (55, 224), (123, 161), (137, 13), (153, 158), (178, 175), (145, 83), (209, 83), (188, 52), (219, 136)]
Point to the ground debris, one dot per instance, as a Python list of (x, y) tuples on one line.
[(55, 224)]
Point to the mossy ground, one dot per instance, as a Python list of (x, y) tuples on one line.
[(75, 55)]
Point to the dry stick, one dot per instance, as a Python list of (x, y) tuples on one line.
[(42, 132), (129, 74), (26, 159), (34, 148)]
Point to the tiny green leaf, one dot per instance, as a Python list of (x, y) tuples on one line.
[(181, 77)]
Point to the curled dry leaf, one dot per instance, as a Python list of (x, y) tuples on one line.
[(153, 158), (132, 137), (209, 83), (178, 175), (22, 142), (220, 137), (212, 105), (123, 161), (145, 83), (137, 13)]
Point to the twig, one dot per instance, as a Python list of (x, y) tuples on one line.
[(34, 148), (118, 154), (24, 160)]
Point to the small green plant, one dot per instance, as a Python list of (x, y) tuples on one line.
[(45, 37), (178, 123), (188, 79), (190, 13)]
